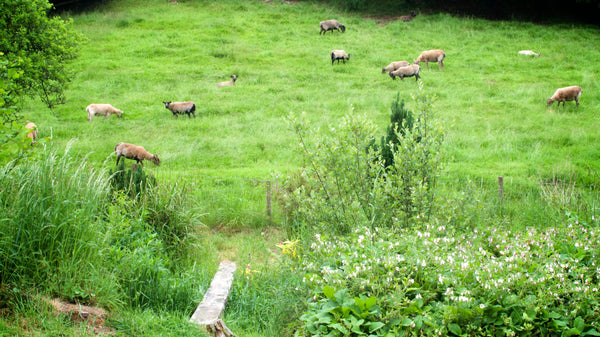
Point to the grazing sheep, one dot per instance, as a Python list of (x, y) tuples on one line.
[(33, 133), (394, 65), (571, 93), (432, 56), (339, 55), (409, 71), (102, 110), (331, 25), (137, 153), (181, 108), (229, 83), (407, 18), (529, 53)]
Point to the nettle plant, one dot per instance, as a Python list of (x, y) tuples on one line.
[(437, 281)]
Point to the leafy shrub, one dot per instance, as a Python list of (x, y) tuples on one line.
[(434, 280), (339, 314), (134, 181), (342, 186)]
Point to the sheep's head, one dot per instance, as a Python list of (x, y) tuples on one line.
[(234, 77), (167, 104), (393, 76), (155, 159), (343, 28), (550, 101), (118, 112)]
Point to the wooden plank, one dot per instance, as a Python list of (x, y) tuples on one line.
[(210, 310)]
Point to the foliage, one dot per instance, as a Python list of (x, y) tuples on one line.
[(134, 182), (435, 280), (401, 120), (45, 44), (51, 229), (338, 314), (346, 186)]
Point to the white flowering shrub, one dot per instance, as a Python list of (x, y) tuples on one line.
[(435, 281)]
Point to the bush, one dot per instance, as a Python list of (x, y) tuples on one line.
[(342, 186)]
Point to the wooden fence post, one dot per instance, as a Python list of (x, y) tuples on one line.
[(269, 199), (500, 188)]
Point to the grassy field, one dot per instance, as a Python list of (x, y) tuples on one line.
[(491, 100)]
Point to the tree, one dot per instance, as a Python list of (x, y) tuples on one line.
[(44, 44)]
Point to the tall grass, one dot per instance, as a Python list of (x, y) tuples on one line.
[(51, 228)]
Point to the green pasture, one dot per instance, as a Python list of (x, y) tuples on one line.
[(492, 101)]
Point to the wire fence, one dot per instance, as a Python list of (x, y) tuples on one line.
[(247, 201)]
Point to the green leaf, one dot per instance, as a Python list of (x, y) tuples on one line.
[(571, 332), (340, 328), (579, 324), (591, 332), (455, 329), (329, 292), (374, 326), (371, 301), (407, 322)]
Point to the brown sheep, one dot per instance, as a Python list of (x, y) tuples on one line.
[(435, 55), (331, 25), (229, 83), (33, 133), (137, 153)]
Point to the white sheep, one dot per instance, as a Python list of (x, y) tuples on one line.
[(529, 53), (33, 133), (229, 83), (409, 71), (102, 110), (407, 18), (394, 65), (339, 55), (137, 153), (435, 55), (331, 25), (571, 93), (181, 108)]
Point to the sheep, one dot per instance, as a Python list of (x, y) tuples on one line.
[(331, 25), (339, 55), (33, 133), (394, 65), (181, 108), (407, 18), (571, 93), (432, 56), (137, 153), (102, 110), (409, 71), (529, 53), (227, 83)]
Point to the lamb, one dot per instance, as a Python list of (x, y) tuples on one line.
[(407, 18), (229, 83), (331, 25), (394, 65), (339, 55), (409, 71), (435, 55), (571, 93), (137, 153), (33, 133), (529, 53), (102, 110), (181, 108)]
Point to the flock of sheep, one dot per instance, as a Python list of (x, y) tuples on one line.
[(395, 69)]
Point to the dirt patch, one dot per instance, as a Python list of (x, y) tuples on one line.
[(94, 317)]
